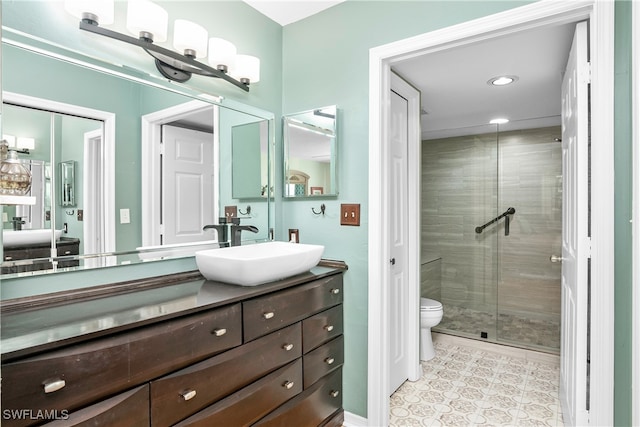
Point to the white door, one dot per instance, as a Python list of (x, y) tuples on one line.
[(187, 185), (575, 237), (399, 301)]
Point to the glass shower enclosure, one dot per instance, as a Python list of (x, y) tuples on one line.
[(491, 219)]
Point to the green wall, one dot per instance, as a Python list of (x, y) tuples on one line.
[(623, 212)]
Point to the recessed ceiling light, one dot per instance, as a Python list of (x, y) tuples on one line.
[(499, 121), (502, 80)]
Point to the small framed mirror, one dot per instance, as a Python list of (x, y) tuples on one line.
[(68, 183), (310, 153)]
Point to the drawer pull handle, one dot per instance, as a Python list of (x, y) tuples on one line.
[(335, 291), (329, 328), (8, 258), (329, 360), (53, 385), (268, 315), (67, 252), (219, 332), (288, 347), (288, 385), (188, 395), (335, 393)]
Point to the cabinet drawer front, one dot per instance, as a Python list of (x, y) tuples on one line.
[(79, 375), (321, 328), (185, 392), (311, 407), (252, 402), (128, 409), (271, 312), (323, 360)]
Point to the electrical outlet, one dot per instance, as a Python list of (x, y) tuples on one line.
[(294, 235), (350, 214), (230, 212)]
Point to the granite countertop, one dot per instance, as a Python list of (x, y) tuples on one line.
[(29, 331)]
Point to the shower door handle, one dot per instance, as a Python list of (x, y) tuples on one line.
[(555, 258)]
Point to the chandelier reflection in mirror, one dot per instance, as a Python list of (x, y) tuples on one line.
[(149, 22)]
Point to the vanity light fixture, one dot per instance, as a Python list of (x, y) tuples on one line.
[(20, 144), (148, 21), (502, 80)]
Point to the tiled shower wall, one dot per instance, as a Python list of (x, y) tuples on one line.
[(467, 181)]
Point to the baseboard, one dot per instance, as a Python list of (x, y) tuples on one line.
[(353, 420)]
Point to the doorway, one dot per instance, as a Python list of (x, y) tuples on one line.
[(526, 17), (153, 128)]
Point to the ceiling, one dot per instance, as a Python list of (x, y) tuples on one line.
[(288, 11), (455, 94)]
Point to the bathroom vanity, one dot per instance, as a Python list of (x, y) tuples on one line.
[(37, 256), (178, 350)]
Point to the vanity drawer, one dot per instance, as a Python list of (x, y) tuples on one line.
[(323, 360), (321, 328), (252, 402), (271, 312), (189, 390), (79, 375), (311, 407), (128, 409)]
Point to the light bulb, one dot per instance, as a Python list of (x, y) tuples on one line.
[(247, 68), (147, 20), (190, 38), (222, 54), (99, 11)]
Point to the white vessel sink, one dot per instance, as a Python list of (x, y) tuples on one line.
[(28, 237), (252, 265)]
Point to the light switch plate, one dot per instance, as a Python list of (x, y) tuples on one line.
[(125, 218), (350, 214)]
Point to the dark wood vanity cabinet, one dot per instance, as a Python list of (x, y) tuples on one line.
[(39, 255), (271, 359)]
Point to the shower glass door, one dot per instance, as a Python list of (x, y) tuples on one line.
[(530, 180), (491, 219)]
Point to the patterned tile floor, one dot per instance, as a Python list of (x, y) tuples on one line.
[(469, 384)]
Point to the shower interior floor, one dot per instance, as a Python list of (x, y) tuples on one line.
[(471, 383), (521, 331)]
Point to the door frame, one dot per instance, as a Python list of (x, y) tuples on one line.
[(151, 132), (108, 141), (635, 57), (535, 15), (92, 154)]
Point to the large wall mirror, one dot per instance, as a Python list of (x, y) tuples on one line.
[(123, 166), (310, 147)]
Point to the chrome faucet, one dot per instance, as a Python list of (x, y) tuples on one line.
[(237, 229)]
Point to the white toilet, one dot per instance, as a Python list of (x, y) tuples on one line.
[(430, 315)]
